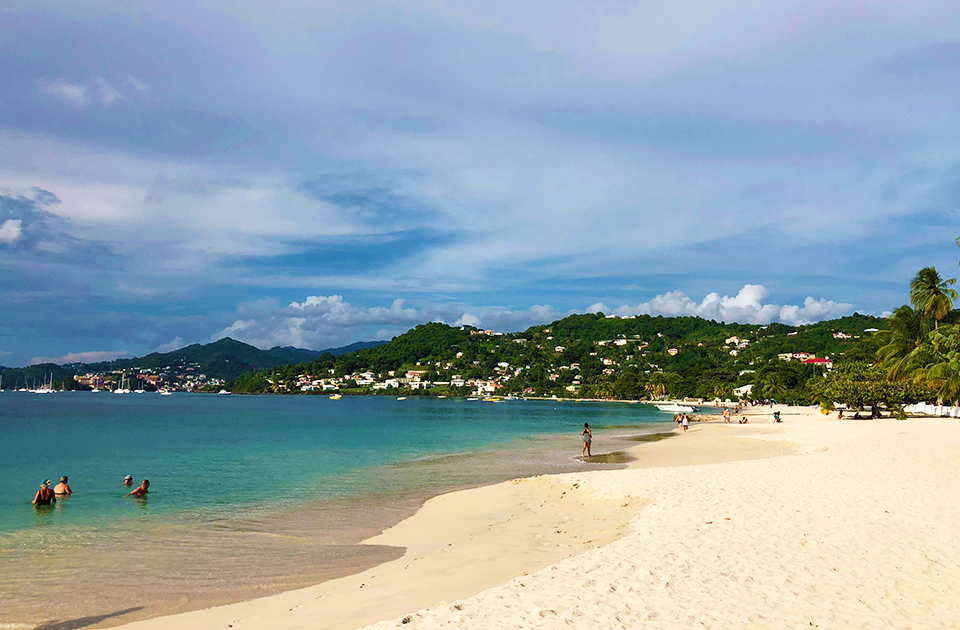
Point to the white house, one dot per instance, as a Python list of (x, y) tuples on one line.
[(743, 391)]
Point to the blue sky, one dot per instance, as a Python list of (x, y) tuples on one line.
[(317, 173)]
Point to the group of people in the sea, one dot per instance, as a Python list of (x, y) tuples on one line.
[(47, 496)]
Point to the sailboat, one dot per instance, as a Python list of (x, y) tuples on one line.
[(46, 388), (121, 389)]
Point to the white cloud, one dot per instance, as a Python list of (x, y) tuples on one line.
[(174, 344), (82, 357), (11, 230), (328, 321), (108, 93), (746, 307), (69, 92), (137, 84)]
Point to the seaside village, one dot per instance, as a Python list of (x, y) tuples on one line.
[(186, 377), (416, 379), (612, 353)]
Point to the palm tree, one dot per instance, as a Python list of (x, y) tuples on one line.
[(902, 339), (656, 386), (930, 294)]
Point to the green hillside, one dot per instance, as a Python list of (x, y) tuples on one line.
[(596, 356)]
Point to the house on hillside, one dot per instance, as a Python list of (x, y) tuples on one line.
[(743, 391)]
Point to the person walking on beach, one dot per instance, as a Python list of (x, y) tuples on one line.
[(587, 439), (142, 490), (45, 496), (62, 489), (685, 423)]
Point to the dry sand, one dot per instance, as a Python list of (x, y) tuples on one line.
[(810, 523)]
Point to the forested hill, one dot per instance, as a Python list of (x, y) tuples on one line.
[(591, 355)]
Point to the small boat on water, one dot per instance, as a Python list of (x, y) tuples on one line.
[(164, 392), (674, 407), (336, 397), (401, 397), (473, 399), (224, 392)]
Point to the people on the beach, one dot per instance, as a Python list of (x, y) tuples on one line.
[(62, 488), (776, 416), (128, 480), (141, 490), (587, 436), (44, 496), (742, 420), (726, 415), (685, 423)]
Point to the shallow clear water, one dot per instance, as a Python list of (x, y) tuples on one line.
[(249, 495)]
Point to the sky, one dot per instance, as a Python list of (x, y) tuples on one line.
[(317, 173)]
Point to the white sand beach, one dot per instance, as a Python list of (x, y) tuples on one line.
[(811, 523)]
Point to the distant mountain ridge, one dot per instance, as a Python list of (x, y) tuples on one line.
[(224, 359)]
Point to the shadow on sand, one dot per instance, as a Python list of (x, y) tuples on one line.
[(83, 622)]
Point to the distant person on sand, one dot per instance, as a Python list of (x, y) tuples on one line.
[(62, 488), (142, 490), (726, 415), (587, 439), (685, 423), (743, 420), (45, 496)]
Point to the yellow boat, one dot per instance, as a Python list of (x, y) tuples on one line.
[(336, 397)]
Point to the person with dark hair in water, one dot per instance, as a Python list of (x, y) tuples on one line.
[(142, 490), (45, 496), (587, 436)]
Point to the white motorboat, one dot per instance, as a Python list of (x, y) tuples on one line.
[(674, 407), (223, 392)]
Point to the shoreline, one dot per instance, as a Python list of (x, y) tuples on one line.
[(258, 552), (449, 543), (759, 526)]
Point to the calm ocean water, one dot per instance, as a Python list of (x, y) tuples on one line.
[(249, 495)]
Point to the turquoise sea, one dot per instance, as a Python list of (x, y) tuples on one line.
[(250, 495)]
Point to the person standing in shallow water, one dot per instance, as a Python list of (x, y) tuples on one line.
[(142, 490), (63, 488), (45, 496), (587, 439)]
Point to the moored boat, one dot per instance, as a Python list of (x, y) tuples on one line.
[(674, 407)]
